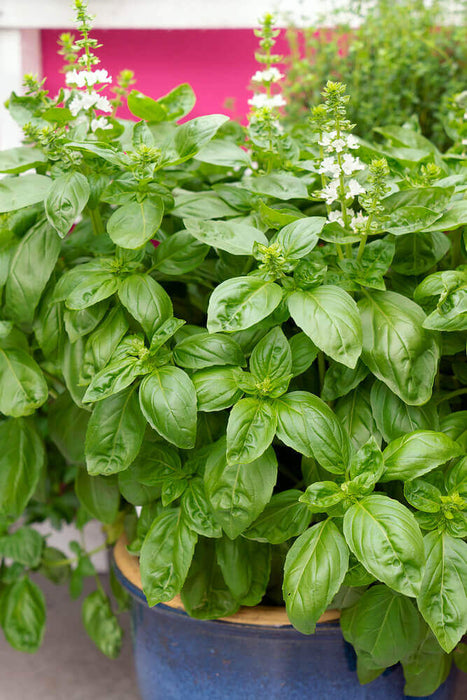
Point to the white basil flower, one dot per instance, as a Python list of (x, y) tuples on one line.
[(329, 167), (100, 123), (354, 188), (87, 78), (261, 100), (270, 75), (358, 222), (336, 217), (330, 192), (351, 164)]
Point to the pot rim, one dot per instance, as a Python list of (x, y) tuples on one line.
[(259, 615)]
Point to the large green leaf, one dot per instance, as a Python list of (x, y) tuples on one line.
[(190, 138), (443, 595), (383, 624), (115, 433), (427, 668), (395, 418), (17, 160), (396, 347), (208, 350), (238, 492), (24, 546), (146, 300), (250, 430), (31, 265), (283, 518), (22, 385), (168, 401), (309, 426), (417, 453), (65, 200), (384, 536), (166, 556), (314, 570), (134, 224), (101, 624), (99, 495), (18, 192), (329, 316), (298, 238), (67, 426), (21, 463), (205, 594), (246, 567), (22, 615), (179, 253), (231, 236), (240, 302), (216, 388)]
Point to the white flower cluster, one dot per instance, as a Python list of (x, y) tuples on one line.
[(357, 222), (86, 100), (87, 78), (262, 101), (270, 75), (336, 166), (100, 123)]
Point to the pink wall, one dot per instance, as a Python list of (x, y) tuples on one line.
[(218, 63)]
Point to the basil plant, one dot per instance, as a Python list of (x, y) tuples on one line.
[(244, 351)]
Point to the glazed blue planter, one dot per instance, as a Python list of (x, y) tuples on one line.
[(180, 658)]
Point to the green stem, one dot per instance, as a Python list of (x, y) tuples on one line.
[(321, 369), (452, 395), (96, 220), (364, 239), (74, 560), (456, 249)]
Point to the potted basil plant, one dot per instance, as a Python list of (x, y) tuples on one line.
[(243, 351)]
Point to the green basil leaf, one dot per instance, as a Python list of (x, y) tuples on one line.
[(304, 353), (246, 567), (329, 316), (456, 478), (279, 186), (134, 224), (238, 493), (197, 510), (179, 254), (17, 160), (443, 595), (419, 252), (190, 138), (166, 556), (271, 359), (67, 427), (57, 574), (308, 425), (48, 325), (427, 668), (395, 418), (155, 463), (30, 268), (322, 495), (355, 413), (454, 425), (385, 538), (208, 350), (65, 200), (339, 380), (383, 624), (102, 343), (101, 624), (22, 385), (168, 401), (22, 615), (216, 389), (203, 205), (99, 495), (24, 546), (145, 107), (250, 430), (205, 595), (411, 219), (417, 453), (283, 518), (81, 323), (396, 347), (298, 238), (423, 495), (19, 192), (240, 302), (314, 570), (146, 300), (135, 492), (71, 363), (367, 466), (115, 433), (113, 378), (21, 462), (233, 237), (92, 288), (178, 102)]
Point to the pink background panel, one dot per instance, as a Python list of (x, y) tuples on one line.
[(217, 63)]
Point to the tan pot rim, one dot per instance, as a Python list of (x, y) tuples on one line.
[(260, 615)]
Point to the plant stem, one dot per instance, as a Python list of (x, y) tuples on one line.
[(456, 249), (321, 369), (96, 220), (73, 560), (452, 395)]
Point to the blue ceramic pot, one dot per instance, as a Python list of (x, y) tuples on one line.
[(180, 658)]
